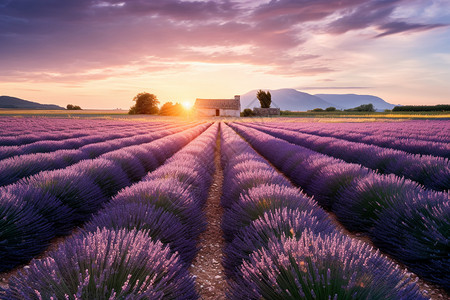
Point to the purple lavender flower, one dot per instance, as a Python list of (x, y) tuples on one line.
[(258, 200), (289, 222), (128, 162), (23, 231), (107, 174), (320, 267), (156, 222), (330, 180), (169, 195), (72, 188), (359, 205), (417, 233), (106, 265)]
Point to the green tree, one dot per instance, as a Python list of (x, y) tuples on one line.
[(331, 108), (265, 98), (247, 112), (145, 104), (170, 109), (364, 107), (73, 107)]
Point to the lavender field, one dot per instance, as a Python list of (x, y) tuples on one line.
[(118, 208)]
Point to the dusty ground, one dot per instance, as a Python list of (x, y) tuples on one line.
[(207, 266)]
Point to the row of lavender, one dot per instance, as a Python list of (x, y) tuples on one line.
[(21, 131), (51, 203), (140, 245), (433, 172), (14, 168), (426, 130), (400, 217), (64, 140), (281, 245), (438, 147)]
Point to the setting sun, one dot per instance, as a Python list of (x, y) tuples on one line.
[(187, 105)]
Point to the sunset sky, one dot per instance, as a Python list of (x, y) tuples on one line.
[(100, 54)]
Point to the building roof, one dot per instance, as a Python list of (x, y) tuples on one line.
[(218, 103)]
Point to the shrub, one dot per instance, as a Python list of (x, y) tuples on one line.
[(105, 265), (72, 188), (244, 181), (331, 179), (128, 162), (360, 205), (168, 195), (416, 232), (157, 223), (255, 201), (23, 231), (53, 210), (247, 112), (320, 267), (274, 224), (107, 174)]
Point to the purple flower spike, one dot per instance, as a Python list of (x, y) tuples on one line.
[(169, 195), (159, 224), (128, 162), (417, 233), (258, 200), (321, 267), (72, 188), (244, 181), (23, 231), (272, 226), (107, 174), (52, 209), (360, 204), (106, 265)]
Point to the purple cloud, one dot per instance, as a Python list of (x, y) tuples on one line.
[(72, 36)]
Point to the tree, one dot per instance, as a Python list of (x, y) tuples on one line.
[(364, 107), (145, 104), (170, 109), (331, 108), (247, 112), (73, 107), (265, 98)]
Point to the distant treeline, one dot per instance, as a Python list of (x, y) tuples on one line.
[(439, 107)]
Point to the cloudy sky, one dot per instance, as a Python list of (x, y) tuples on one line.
[(100, 54)]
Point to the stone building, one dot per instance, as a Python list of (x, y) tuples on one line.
[(218, 107)]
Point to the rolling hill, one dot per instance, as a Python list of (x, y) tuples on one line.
[(293, 100), (16, 103)]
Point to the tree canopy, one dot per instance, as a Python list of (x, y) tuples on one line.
[(170, 109), (265, 98), (73, 107), (146, 103), (364, 107)]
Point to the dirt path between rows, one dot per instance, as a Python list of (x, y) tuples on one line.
[(207, 266)]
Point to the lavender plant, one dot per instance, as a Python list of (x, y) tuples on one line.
[(156, 222), (105, 265), (417, 233), (256, 201), (107, 174), (23, 231), (274, 224), (320, 267), (360, 205)]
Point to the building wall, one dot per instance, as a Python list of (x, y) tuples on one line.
[(230, 113), (223, 112), (265, 112)]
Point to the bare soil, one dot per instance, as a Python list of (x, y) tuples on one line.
[(207, 266)]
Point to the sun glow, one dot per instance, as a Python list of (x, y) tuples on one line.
[(187, 105)]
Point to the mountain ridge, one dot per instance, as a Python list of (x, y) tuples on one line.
[(8, 102), (294, 100)]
